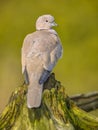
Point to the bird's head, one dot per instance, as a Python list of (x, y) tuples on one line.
[(45, 22)]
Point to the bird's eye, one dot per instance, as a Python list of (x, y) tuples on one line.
[(46, 20)]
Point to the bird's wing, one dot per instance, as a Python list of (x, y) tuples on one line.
[(52, 59), (26, 52)]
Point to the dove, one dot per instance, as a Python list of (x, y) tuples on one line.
[(41, 51)]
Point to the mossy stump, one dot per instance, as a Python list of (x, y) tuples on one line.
[(57, 111)]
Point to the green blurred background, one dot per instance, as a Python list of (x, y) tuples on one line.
[(77, 28)]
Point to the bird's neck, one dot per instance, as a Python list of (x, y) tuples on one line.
[(52, 31), (49, 30)]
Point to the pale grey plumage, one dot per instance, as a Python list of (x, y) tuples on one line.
[(40, 53)]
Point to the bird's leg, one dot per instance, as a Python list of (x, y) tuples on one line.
[(44, 76)]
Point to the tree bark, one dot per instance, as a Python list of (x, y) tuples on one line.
[(87, 102), (57, 111)]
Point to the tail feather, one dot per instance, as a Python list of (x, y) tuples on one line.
[(34, 97)]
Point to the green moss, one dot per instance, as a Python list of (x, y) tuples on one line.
[(57, 111)]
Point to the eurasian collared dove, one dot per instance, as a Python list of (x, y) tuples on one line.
[(40, 53)]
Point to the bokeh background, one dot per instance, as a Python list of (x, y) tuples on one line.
[(77, 27)]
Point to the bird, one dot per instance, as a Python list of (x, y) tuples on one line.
[(40, 52)]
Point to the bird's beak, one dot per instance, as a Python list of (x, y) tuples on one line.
[(54, 24)]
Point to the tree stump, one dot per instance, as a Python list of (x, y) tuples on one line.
[(57, 111)]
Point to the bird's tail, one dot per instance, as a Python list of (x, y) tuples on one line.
[(34, 96)]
